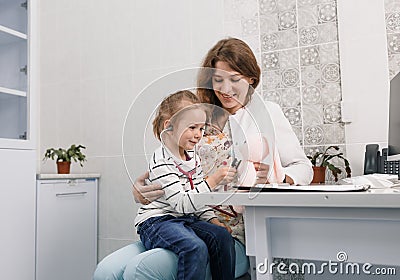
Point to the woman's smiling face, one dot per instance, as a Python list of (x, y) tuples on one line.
[(230, 87)]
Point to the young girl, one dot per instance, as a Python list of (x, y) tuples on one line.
[(174, 221)]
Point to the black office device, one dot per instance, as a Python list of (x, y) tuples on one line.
[(394, 120), (389, 161)]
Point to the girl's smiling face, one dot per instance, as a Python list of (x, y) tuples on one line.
[(230, 87), (188, 129)]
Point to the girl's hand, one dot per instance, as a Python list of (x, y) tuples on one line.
[(215, 221), (262, 172), (143, 193), (222, 176)]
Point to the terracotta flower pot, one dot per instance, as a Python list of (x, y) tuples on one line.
[(63, 167), (319, 174)]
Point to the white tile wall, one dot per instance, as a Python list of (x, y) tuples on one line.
[(365, 76)]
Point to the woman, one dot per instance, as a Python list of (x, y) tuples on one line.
[(230, 86)]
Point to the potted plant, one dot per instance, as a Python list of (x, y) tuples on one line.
[(323, 160), (64, 157)]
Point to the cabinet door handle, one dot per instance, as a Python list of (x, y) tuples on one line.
[(70, 194)]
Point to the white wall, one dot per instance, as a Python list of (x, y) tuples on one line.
[(365, 76), (96, 56)]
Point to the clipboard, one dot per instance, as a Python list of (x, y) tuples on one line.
[(309, 188)]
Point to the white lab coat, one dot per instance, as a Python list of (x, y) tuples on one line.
[(258, 117)]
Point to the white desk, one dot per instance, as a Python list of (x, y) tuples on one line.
[(318, 225)]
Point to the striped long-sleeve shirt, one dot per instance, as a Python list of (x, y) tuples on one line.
[(178, 194)]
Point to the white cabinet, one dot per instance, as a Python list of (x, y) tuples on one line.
[(66, 233), (17, 214), (17, 138), (16, 76)]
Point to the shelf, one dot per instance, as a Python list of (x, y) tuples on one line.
[(9, 36), (12, 92), (13, 14)]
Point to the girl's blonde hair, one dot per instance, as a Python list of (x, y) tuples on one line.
[(171, 105), (238, 55)]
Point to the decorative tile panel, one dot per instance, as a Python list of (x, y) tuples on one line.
[(392, 16), (299, 58)]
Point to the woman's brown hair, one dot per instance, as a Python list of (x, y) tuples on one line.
[(238, 55), (171, 105)]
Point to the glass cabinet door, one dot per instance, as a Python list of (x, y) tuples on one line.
[(14, 92)]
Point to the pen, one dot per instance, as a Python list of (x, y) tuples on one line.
[(234, 162), (237, 165)]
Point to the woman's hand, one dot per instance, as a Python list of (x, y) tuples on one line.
[(262, 174), (262, 170), (215, 221), (143, 193), (222, 176)]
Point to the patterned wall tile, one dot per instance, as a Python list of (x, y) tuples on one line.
[(311, 75), (328, 32), (268, 6), (331, 92), (269, 24), (393, 22), (332, 113), (286, 4), (309, 56), (327, 12), (311, 95), (290, 97), (271, 80), (334, 133), (308, 35), (273, 96), (287, 19), (392, 5), (307, 15), (270, 42), (290, 77), (270, 61), (330, 72), (393, 43), (305, 3), (329, 53), (313, 114), (289, 59), (314, 135)]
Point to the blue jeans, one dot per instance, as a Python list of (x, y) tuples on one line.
[(133, 262), (193, 240)]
